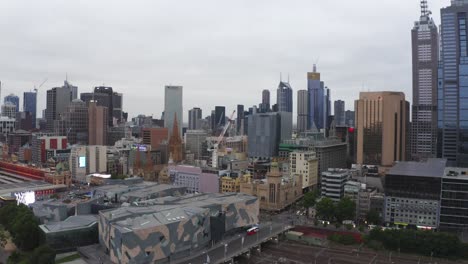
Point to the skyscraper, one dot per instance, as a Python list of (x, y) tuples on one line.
[(195, 115), (453, 90), (73, 89), (382, 120), (58, 99), (317, 106), (220, 117), (265, 106), (12, 99), (105, 96), (30, 105), (339, 113), (240, 119), (74, 123), (302, 110), (97, 124), (425, 48), (284, 97), (173, 98)]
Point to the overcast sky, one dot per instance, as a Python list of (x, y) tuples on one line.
[(222, 52)]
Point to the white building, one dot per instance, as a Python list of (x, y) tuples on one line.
[(7, 125), (305, 163), (333, 183), (85, 160)]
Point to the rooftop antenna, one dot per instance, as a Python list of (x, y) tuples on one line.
[(281, 77), (424, 8)]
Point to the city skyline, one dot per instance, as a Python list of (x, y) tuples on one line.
[(202, 62)]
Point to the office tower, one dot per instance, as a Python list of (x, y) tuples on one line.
[(381, 128), (332, 182), (9, 110), (328, 114), (265, 106), (12, 99), (220, 117), (302, 110), (173, 98), (317, 106), (349, 118), (286, 125), (240, 119), (117, 104), (425, 47), (98, 123), (73, 89), (453, 210), (58, 99), (24, 121), (30, 105), (305, 163), (284, 97), (454, 86), (154, 136), (195, 115), (340, 113), (263, 135), (195, 141), (74, 123)]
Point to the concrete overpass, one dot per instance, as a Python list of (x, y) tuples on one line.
[(239, 244)]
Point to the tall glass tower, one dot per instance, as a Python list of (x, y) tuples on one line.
[(318, 108), (284, 96), (454, 83), (425, 49), (30, 105)]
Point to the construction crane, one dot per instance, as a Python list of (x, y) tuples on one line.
[(35, 89), (215, 149)]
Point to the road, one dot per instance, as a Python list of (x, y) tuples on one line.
[(235, 246), (290, 252)]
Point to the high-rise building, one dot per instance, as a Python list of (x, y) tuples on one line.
[(425, 46), (73, 89), (220, 117), (240, 119), (98, 124), (317, 105), (333, 182), (74, 123), (173, 98), (58, 99), (195, 141), (263, 135), (382, 120), (12, 99), (106, 97), (154, 136), (284, 97), (9, 110), (302, 110), (328, 116), (349, 118), (453, 90), (195, 115), (305, 163), (265, 106), (30, 105), (340, 118)]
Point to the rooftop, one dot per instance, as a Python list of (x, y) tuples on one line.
[(71, 223), (430, 168)]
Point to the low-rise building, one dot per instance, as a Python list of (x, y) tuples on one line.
[(232, 184), (412, 193), (275, 191), (333, 183), (85, 160), (453, 204), (194, 179)]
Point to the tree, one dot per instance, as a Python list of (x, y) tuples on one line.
[(27, 234), (325, 208), (43, 255), (373, 217), (3, 237), (345, 209), (310, 198)]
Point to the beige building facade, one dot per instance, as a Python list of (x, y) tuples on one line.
[(304, 163), (275, 192), (382, 123)]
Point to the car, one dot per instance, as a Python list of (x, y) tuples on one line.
[(253, 230)]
